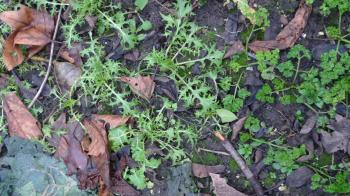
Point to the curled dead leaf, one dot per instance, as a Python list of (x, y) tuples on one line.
[(143, 86), (290, 33), (12, 54), (98, 149), (20, 121), (29, 27)]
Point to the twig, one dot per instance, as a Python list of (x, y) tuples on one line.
[(242, 165), (50, 60), (214, 151)]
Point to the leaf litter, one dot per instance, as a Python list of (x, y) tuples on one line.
[(20, 121), (31, 28), (143, 86), (290, 33)]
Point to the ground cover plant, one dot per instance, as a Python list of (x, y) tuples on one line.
[(175, 97)]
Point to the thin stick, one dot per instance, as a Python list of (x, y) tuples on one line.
[(214, 151), (241, 163), (50, 60)]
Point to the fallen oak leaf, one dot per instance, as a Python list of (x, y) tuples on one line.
[(143, 86), (221, 188), (202, 171), (290, 33), (20, 121)]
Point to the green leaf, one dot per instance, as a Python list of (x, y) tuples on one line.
[(32, 172), (146, 25), (225, 115), (118, 137), (141, 4)]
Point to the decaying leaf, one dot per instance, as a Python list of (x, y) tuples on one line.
[(123, 188), (202, 171), (12, 54), (309, 125), (72, 55), (98, 149), (29, 27), (236, 47), (67, 74), (3, 81), (289, 35), (339, 139), (112, 120), (166, 86), (237, 126), (20, 121), (221, 188), (143, 86), (69, 148)]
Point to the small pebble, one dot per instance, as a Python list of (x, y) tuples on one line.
[(284, 19), (282, 187), (321, 33)]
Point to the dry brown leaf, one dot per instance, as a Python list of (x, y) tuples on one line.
[(97, 133), (202, 171), (309, 125), (237, 126), (67, 74), (236, 47), (221, 188), (3, 81), (98, 148), (31, 37), (20, 121), (29, 27), (12, 54), (290, 33), (17, 19), (113, 120), (72, 55), (70, 150), (143, 86)]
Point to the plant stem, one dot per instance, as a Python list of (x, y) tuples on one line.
[(50, 60), (269, 143), (297, 71)]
